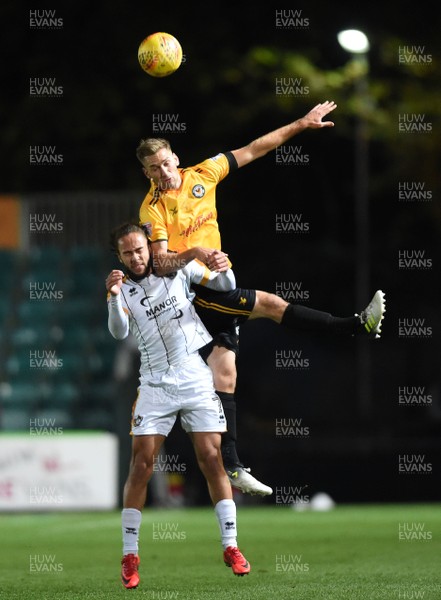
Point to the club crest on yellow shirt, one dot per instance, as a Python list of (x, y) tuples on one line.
[(198, 191)]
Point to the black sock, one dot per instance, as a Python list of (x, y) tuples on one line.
[(228, 446), (303, 318)]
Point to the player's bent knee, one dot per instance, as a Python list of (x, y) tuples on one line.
[(223, 367), (141, 469), (269, 306), (224, 382), (210, 464)]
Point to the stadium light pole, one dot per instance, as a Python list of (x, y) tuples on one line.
[(356, 43)]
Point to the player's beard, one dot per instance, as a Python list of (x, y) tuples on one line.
[(135, 277)]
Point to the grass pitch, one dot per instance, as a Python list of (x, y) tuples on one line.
[(352, 552)]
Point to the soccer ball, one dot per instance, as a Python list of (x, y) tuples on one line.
[(160, 54)]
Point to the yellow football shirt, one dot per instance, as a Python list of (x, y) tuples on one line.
[(187, 217)]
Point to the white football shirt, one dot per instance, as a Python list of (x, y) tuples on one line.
[(159, 312)]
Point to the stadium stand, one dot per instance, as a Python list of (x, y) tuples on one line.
[(56, 354), (53, 303)]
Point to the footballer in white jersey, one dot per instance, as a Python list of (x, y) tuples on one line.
[(162, 317), (158, 311), (174, 381)]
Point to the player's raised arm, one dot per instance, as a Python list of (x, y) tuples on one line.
[(118, 321), (270, 141)]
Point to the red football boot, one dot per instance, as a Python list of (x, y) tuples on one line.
[(129, 571), (234, 558)]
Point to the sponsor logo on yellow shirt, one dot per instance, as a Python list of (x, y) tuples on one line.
[(199, 221)]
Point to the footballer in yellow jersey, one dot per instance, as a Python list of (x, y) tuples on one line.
[(180, 210), (180, 214), (187, 217)]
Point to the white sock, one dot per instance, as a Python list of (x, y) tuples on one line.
[(131, 522), (226, 515)]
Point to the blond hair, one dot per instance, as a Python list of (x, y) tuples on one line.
[(151, 146)]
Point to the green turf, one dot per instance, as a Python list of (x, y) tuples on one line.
[(352, 552)]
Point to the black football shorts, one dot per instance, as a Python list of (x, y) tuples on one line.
[(222, 313)]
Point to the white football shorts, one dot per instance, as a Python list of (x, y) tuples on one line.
[(187, 391)]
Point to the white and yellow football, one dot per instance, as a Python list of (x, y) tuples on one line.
[(160, 54)]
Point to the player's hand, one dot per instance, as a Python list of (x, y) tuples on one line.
[(217, 261), (114, 282), (314, 118), (202, 254)]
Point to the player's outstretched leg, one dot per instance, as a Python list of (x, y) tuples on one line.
[(372, 316), (303, 318)]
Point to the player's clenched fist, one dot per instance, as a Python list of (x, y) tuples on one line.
[(114, 281), (217, 261)]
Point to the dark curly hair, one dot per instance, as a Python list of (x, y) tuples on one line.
[(123, 230)]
